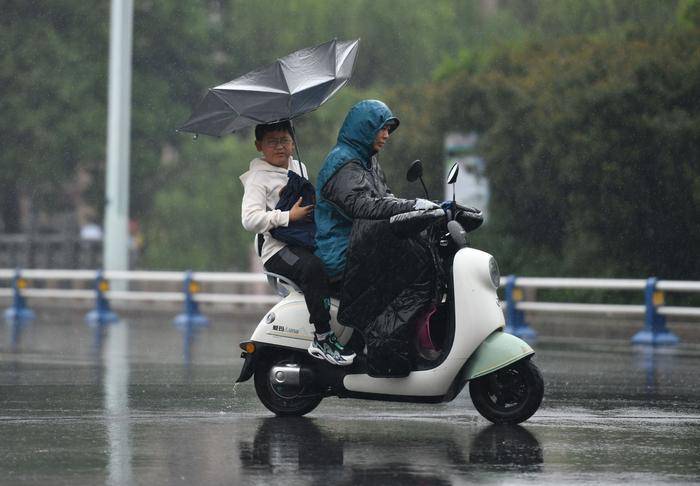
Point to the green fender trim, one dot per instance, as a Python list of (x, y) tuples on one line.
[(497, 351)]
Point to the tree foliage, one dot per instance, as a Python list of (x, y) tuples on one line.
[(53, 98), (592, 153), (588, 111)]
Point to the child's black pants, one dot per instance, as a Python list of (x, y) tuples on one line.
[(307, 271)]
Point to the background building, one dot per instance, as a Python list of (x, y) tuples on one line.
[(472, 187)]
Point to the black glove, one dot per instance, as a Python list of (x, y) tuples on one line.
[(469, 218)]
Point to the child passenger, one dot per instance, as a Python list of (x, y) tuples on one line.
[(262, 185)]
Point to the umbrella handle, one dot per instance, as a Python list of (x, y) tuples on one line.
[(296, 143)]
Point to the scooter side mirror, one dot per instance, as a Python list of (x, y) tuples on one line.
[(452, 174), (415, 171)]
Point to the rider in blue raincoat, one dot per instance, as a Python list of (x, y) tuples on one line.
[(386, 280)]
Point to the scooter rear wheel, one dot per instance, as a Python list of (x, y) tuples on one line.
[(510, 395), (287, 401)]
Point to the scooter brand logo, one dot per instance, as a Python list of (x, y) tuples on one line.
[(270, 317), (290, 330)]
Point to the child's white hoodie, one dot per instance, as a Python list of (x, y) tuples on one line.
[(262, 185)]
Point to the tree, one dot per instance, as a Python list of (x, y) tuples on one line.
[(196, 220), (53, 98), (590, 153)]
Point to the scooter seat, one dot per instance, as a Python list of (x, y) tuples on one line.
[(281, 284)]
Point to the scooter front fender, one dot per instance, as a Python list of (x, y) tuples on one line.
[(497, 351)]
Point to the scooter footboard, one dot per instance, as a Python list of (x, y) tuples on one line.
[(497, 351)]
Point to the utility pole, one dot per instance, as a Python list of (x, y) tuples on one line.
[(116, 234)]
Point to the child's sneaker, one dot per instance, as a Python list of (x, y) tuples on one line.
[(331, 350)]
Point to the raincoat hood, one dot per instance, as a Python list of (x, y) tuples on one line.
[(361, 125)]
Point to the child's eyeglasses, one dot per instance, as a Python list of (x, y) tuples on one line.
[(274, 142)]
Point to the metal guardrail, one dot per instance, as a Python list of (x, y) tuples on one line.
[(18, 315), (138, 276), (654, 309)]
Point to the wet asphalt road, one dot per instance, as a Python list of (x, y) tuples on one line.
[(137, 414)]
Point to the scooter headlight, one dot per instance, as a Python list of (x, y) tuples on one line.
[(495, 273)]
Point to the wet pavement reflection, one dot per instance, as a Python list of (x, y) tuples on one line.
[(137, 412), (350, 453)]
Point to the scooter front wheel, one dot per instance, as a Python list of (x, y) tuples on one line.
[(285, 401), (510, 395)]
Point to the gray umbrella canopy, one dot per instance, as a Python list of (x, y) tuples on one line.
[(295, 84)]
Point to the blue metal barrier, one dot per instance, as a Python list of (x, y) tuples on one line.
[(191, 319), (655, 331), (102, 314), (515, 319), (19, 315)]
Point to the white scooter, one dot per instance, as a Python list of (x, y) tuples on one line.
[(468, 330)]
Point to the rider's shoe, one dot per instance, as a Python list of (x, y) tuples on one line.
[(331, 350)]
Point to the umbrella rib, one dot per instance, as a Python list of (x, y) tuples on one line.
[(335, 55), (279, 64)]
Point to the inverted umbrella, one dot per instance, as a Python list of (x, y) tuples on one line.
[(295, 84)]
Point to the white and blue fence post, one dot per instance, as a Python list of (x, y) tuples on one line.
[(515, 319), (191, 319), (102, 314), (19, 315), (655, 331)]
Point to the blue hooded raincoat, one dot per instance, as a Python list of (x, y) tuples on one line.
[(386, 279), (355, 140)]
